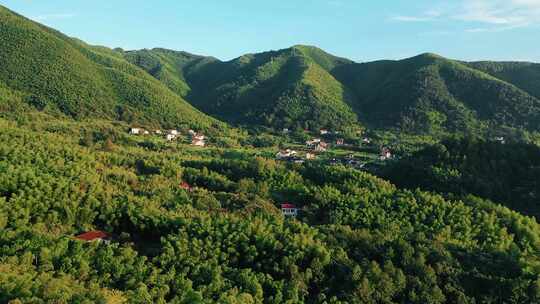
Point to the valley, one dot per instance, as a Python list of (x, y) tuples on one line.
[(288, 176)]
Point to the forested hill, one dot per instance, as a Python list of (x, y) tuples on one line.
[(429, 93), (49, 71), (505, 173), (524, 75), (357, 239), (306, 87), (286, 88), (299, 87)]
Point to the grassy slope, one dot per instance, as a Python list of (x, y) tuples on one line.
[(58, 73)]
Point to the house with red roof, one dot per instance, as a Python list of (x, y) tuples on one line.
[(289, 210), (186, 186), (94, 236)]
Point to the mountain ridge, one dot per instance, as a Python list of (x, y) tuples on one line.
[(58, 73), (422, 94), (301, 87)]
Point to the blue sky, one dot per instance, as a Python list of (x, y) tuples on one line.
[(361, 30)]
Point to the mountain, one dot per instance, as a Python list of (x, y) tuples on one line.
[(286, 88), (170, 67), (304, 86), (56, 73), (427, 93), (299, 87), (524, 75)]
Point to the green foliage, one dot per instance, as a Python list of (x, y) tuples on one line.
[(430, 94), (505, 173), (287, 88), (223, 239), (304, 87), (358, 239), (55, 73)]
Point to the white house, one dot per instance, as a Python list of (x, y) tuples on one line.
[(385, 154), (320, 147), (198, 140), (285, 154), (311, 155), (135, 131), (170, 137), (173, 132), (324, 131), (289, 210), (313, 142)]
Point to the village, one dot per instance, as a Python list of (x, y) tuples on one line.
[(320, 148), (330, 148), (324, 146), (196, 139)]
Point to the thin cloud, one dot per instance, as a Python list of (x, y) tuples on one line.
[(501, 13), (484, 15), (48, 17), (410, 19), (430, 15)]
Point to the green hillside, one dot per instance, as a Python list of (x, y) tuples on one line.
[(299, 87), (170, 67), (306, 87), (524, 75), (429, 93), (285, 88), (55, 73), (357, 238), (508, 174)]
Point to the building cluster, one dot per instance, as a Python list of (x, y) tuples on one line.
[(294, 157), (290, 156), (197, 139), (349, 160), (317, 145)]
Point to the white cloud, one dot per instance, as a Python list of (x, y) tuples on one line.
[(516, 13), (48, 17), (427, 16), (411, 19), (484, 15)]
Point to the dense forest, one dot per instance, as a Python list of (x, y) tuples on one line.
[(507, 173), (301, 87), (99, 205), (305, 87), (358, 239), (58, 74)]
